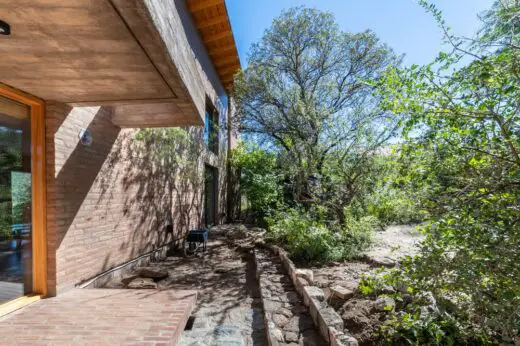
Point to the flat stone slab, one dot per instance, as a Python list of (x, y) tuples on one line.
[(101, 317), (341, 292), (152, 273), (142, 283)]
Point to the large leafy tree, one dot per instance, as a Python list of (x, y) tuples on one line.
[(304, 92), (463, 131)]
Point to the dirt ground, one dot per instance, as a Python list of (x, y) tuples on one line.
[(361, 316), (395, 242)]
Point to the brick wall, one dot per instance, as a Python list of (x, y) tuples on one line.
[(108, 202)]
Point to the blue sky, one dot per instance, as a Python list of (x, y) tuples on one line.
[(402, 24)]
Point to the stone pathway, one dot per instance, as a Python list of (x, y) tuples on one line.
[(228, 310), (288, 318)]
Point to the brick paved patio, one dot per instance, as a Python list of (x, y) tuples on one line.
[(101, 317)]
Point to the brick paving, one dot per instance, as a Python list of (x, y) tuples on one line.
[(101, 317)]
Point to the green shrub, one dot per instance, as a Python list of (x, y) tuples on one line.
[(423, 318), (259, 179), (310, 240), (393, 206)]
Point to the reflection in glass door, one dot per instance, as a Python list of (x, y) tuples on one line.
[(15, 200)]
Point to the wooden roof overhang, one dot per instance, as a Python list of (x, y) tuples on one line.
[(212, 21), (95, 53)]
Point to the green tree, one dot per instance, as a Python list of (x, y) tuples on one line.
[(304, 93), (463, 130), (260, 178)]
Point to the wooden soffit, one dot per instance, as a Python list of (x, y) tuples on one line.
[(95, 52), (212, 21)]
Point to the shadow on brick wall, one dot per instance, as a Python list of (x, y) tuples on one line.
[(159, 204), (115, 199)]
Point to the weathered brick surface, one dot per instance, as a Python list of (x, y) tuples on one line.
[(108, 202), (101, 317)]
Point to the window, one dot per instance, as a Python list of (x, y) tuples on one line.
[(210, 195), (211, 129)]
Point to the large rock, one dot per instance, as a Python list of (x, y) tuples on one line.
[(315, 292), (382, 261), (291, 337), (152, 273), (350, 284), (284, 311), (341, 292), (276, 334), (341, 339), (142, 283), (271, 305), (331, 318), (280, 320), (307, 274), (299, 324), (321, 282), (347, 340)]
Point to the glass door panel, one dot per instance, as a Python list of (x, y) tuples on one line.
[(15, 200), (210, 196)]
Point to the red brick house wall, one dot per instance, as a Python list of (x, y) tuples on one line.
[(107, 202)]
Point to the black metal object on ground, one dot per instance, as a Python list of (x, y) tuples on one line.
[(196, 238)]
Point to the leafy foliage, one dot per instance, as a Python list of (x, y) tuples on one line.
[(304, 96), (463, 131), (308, 239), (395, 198), (260, 179)]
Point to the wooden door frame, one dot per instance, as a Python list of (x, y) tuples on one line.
[(39, 201)]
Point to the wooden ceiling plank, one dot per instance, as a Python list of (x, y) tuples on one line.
[(212, 21), (227, 51), (226, 61), (198, 5), (218, 36), (230, 69)]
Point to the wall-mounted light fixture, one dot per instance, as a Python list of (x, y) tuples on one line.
[(85, 138), (5, 29)]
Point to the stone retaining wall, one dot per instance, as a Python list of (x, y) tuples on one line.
[(326, 319), (286, 318)]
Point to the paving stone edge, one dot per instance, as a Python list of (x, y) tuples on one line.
[(328, 322)]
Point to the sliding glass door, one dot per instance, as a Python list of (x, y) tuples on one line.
[(15, 200)]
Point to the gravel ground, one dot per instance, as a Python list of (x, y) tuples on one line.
[(395, 242)]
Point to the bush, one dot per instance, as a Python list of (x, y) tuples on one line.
[(422, 317), (307, 239), (259, 178), (393, 206)]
